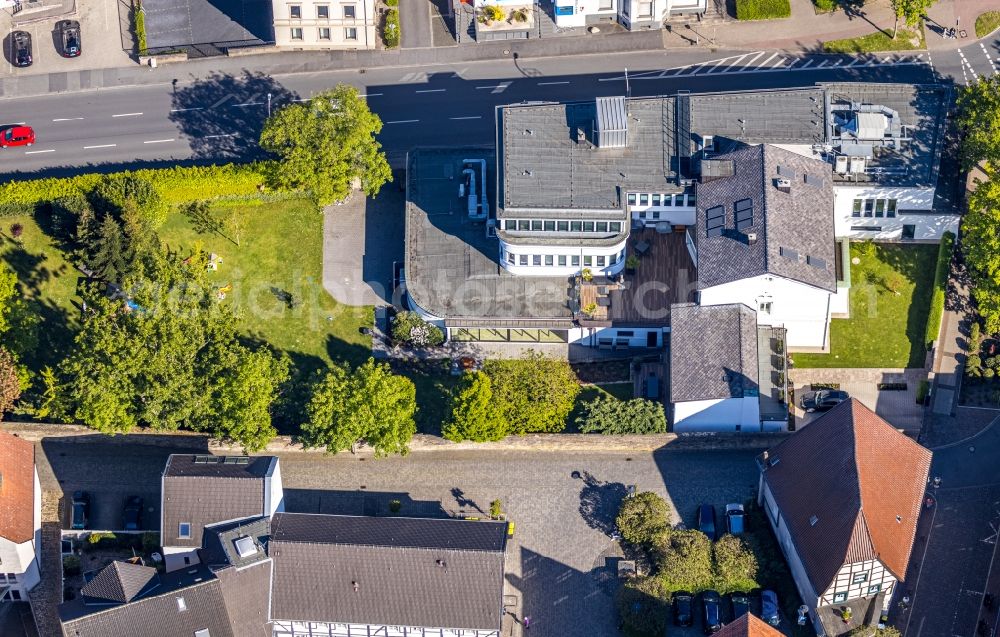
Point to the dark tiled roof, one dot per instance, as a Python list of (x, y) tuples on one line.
[(209, 493), (246, 592), (713, 349), (862, 480), (157, 614), (428, 533), (120, 582), (794, 230), (395, 584), (748, 625), (219, 542), (17, 491)]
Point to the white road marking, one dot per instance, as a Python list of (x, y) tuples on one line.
[(35, 152), (226, 135), (807, 64), (822, 64), (552, 83), (765, 62), (370, 95), (468, 117), (403, 121), (100, 146), (248, 104), (193, 108), (160, 141), (754, 59), (127, 115), (496, 88), (67, 119), (433, 90)]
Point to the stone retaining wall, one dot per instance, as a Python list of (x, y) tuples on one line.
[(421, 443)]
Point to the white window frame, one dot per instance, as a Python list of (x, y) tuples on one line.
[(354, 10), (323, 33), (297, 34), (181, 535), (351, 34), (292, 8)]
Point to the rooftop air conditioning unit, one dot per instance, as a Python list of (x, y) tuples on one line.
[(857, 165), (783, 184), (752, 237), (840, 167)]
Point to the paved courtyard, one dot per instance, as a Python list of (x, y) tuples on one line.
[(899, 408), (560, 562)]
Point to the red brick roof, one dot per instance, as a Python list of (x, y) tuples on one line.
[(850, 488), (17, 490), (748, 625)]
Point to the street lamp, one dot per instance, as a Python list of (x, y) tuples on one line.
[(268, 104)]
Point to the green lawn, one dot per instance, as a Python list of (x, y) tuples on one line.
[(762, 9), (878, 41), (987, 23), (280, 254), (887, 326)]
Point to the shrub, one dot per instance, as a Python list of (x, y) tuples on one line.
[(641, 607), (975, 338), (496, 509), (494, 12), (608, 415), (474, 415), (989, 373), (519, 15), (102, 540), (974, 365), (874, 631), (762, 9), (395, 506), (643, 517), (16, 230), (409, 328), (390, 32), (685, 560), (71, 565), (923, 389), (533, 394), (632, 262), (392, 3), (940, 287), (139, 27), (825, 5), (735, 565)]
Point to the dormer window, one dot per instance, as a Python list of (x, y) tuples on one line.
[(708, 143), (184, 531)]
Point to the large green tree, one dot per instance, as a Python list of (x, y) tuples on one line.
[(981, 242), (473, 414), (685, 560), (244, 392), (735, 564), (608, 415), (641, 606), (325, 144), (369, 405), (979, 120), (10, 383), (533, 393), (643, 517)]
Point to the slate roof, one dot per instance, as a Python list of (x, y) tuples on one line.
[(157, 614), (120, 582), (246, 592), (794, 230), (713, 350), (205, 493), (17, 488), (748, 625), (219, 542), (862, 480), (411, 572)]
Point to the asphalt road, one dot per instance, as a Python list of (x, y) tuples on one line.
[(220, 117)]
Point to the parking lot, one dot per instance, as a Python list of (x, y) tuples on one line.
[(560, 565)]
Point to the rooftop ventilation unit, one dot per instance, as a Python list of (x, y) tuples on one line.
[(783, 184), (856, 165), (581, 135), (478, 208), (840, 165), (612, 122), (752, 237)]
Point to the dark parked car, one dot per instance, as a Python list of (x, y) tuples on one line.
[(20, 48), (69, 38), (739, 603), (81, 510), (769, 608), (683, 605), (822, 400), (706, 520), (132, 513), (711, 605), (735, 518)]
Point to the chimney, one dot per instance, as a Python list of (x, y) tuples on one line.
[(581, 135), (751, 238), (782, 184)]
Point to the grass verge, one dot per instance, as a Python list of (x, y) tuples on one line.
[(890, 299), (987, 23), (762, 9), (879, 41)]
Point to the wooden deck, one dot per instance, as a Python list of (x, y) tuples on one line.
[(666, 275)]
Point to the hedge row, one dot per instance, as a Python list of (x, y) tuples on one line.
[(178, 184), (940, 287), (390, 33), (139, 27), (762, 9)]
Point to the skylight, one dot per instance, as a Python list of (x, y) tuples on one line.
[(245, 546)]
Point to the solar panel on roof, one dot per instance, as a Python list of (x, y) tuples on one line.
[(715, 221), (744, 214)]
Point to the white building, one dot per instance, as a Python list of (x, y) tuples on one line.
[(20, 519), (843, 496), (325, 24), (632, 14)]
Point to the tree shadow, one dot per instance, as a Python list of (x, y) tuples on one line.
[(600, 501), (464, 502), (222, 115)]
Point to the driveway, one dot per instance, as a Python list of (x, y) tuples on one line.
[(898, 407), (362, 237), (560, 564)]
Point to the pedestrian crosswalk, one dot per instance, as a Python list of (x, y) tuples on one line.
[(976, 61), (777, 61)]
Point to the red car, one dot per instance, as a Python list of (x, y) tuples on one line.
[(17, 136)]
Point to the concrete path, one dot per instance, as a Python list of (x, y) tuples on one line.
[(415, 24)]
